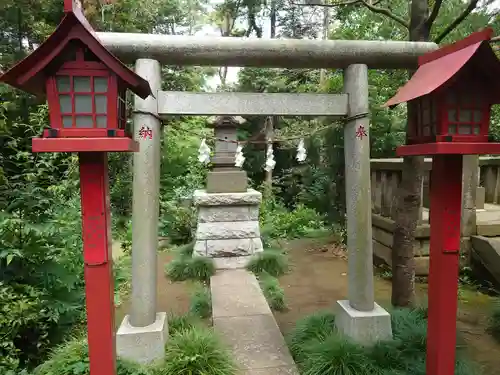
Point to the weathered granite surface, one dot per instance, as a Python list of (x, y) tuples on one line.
[(228, 224), (241, 315)]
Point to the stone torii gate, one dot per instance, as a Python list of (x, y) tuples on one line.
[(143, 333)]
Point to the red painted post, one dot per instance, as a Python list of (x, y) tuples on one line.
[(445, 213), (99, 290)]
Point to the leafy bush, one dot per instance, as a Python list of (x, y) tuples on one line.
[(41, 283), (201, 302), (73, 358), (282, 223), (274, 293), (274, 262), (177, 223), (184, 268), (494, 323), (196, 351)]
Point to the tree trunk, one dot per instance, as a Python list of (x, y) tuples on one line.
[(409, 194)]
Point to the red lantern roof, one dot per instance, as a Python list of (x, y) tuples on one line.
[(438, 67), (30, 73)]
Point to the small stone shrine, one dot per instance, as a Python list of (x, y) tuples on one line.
[(228, 212)]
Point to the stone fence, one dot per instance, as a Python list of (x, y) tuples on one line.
[(481, 185)]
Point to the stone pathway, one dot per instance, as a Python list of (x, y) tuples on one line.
[(245, 322)]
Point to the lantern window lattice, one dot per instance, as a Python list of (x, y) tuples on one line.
[(84, 91)]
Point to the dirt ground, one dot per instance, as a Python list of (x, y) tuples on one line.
[(318, 278), (172, 297)]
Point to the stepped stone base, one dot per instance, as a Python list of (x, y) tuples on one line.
[(228, 224)]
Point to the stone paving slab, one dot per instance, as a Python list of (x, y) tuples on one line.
[(255, 341), (238, 300), (283, 370), (243, 319), (233, 277)]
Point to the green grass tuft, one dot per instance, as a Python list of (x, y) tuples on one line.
[(319, 349), (73, 358), (185, 250), (336, 356), (201, 302), (197, 351), (274, 293), (184, 268), (180, 323), (274, 262), (494, 323), (312, 328)]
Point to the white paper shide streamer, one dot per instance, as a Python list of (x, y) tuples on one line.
[(270, 163), (204, 152), (239, 159), (301, 152)]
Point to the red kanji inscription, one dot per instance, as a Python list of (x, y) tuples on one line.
[(146, 132), (361, 132)]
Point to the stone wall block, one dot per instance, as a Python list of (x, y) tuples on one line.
[(250, 197), (227, 230), (200, 248), (209, 214), (229, 247)]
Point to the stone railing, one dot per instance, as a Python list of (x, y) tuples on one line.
[(489, 181), (481, 185)]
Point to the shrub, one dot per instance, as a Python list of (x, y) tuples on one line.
[(197, 351), (177, 223), (281, 223), (73, 358), (190, 268), (201, 302), (274, 293), (274, 262), (494, 323), (315, 327)]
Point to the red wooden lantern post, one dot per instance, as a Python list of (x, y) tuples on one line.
[(85, 86), (453, 90)]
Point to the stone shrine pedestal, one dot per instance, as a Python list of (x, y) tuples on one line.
[(228, 227)]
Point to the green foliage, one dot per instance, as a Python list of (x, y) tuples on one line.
[(274, 262), (282, 223), (319, 348), (336, 356), (494, 323), (177, 222), (312, 328), (180, 323), (274, 293), (72, 358), (185, 250), (197, 351), (201, 302), (184, 268)]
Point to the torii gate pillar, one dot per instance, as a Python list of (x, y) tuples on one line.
[(359, 317)]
